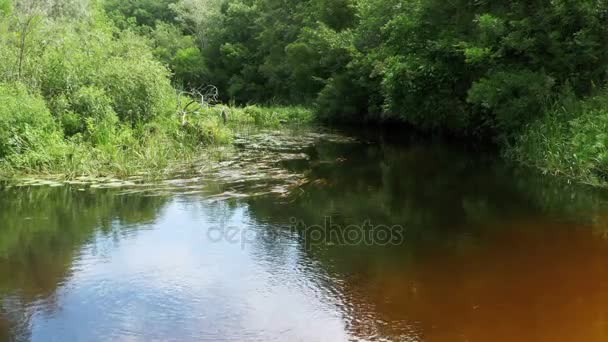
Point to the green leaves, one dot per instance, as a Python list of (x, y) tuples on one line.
[(141, 12), (6, 8), (491, 27), (510, 99), (569, 143), (477, 55), (24, 120)]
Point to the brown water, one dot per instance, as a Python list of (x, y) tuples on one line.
[(488, 252)]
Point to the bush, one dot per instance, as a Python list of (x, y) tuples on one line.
[(90, 60), (341, 100), (25, 121), (207, 131), (510, 99), (5, 7), (139, 90), (89, 111), (420, 91)]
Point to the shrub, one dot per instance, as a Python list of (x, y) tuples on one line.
[(420, 91), (25, 121), (341, 100), (139, 90), (89, 111), (272, 116), (91, 59), (207, 131), (510, 99)]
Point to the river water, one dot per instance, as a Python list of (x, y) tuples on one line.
[(310, 237)]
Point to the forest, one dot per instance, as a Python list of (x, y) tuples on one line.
[(104, 86)]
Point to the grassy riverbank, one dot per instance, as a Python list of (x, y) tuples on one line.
[(39, 148), (106, 87), (570, 140)]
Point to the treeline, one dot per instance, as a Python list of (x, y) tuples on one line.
[(530, 75), (474, 67)]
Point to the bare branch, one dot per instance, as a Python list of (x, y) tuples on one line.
[(204, 96)]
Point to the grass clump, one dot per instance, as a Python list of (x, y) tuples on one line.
[(152, 149), (570, 140)]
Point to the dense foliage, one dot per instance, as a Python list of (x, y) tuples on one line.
[(468, 67), (487, 69), (83, 95)]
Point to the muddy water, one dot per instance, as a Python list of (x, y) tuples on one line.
[(234, 250)]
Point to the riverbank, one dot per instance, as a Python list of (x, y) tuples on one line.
[(82, 98), (144, 151), (570, 140), (101, 92), (567, 142)]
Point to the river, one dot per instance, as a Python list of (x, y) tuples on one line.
[(302, 236)]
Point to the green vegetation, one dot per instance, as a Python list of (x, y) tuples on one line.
[(82, 97), (492, 70), (528, 76), (571, 140)]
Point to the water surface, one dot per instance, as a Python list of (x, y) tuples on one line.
[(488, 252)]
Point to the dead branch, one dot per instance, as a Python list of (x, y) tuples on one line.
[(204, 96)]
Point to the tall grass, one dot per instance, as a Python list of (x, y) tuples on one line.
[(264, 116), (570, 140), (152, 150)]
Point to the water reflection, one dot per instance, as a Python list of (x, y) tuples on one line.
[(42, 232), (490, 253), (159, 278)]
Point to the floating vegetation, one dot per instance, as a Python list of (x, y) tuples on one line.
[(38, 182), (253, 166)]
